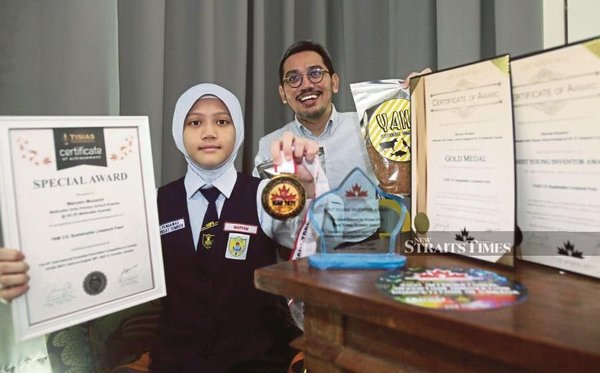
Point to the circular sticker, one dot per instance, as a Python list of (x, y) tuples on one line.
[(283, 197), (389, 129), (461, 289), (94, 283)]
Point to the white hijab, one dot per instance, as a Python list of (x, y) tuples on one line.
[(182, 108)]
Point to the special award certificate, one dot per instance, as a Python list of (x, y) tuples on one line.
[(463, 180), (79, 200), (557, 133)]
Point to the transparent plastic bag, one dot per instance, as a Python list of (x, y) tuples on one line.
[(384, 109)]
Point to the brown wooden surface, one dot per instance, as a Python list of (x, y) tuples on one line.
[(351, 326)]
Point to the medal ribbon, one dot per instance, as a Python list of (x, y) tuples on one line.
[(306, 239)]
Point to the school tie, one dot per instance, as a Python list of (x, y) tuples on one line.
[(210, 223)]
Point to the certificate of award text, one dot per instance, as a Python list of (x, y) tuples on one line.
[(463, 180), (79, 200), (556, 97)]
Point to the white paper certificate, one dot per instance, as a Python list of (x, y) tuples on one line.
[(463, 174), (557, 133), (79, 199)]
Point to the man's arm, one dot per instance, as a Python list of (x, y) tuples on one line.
[(264, 149), (298, 150), (260, 157)]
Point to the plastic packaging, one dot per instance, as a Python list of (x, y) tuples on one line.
[(384, 109)]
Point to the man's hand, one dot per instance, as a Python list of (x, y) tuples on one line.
[(296, 148), (13, 274), (406, 82)]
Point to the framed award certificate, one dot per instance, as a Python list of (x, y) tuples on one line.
[(463, 178), (557, 134), (78, 199)]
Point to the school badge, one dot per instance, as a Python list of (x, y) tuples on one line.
[(207, 240), (237, 246), (283, 197)]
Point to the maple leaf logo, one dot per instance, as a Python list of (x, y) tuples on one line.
[(356, 191), (283, 195), (464, 236), (569, 250)]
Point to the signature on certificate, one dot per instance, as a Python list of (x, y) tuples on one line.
[(128, 276), (440, 226), (58, 294)]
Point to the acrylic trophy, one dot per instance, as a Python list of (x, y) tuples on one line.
[(358, 226)]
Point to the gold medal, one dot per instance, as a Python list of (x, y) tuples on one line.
[(283, 197)]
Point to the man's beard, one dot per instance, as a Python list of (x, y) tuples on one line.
[(311, 116)]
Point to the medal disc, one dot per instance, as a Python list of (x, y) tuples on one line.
[(283, 197)]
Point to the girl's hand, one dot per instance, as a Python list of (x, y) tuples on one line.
[(13, 274)]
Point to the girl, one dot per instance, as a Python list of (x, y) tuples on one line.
[(215, 233)]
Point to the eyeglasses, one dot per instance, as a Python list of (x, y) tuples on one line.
[(315, 75)]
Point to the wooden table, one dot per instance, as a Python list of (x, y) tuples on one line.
[(351, 326)]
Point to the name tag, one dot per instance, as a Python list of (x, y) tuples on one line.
[(172, 226), (241, 228)]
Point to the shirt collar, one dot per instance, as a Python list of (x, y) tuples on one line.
[(224, 183), (330, 123)]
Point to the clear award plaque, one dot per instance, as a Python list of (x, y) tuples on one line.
[(358, 226)]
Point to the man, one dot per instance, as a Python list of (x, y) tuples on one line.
[(307, 83)]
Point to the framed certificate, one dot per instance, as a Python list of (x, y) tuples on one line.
[(463, 178), (557, 133), (78, 199)]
